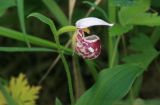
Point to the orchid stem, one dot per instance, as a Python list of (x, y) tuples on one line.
[(55, 33), (113, 58), (111, 39)]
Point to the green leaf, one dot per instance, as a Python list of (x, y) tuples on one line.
[(118, 29), (46, 20), (25, 49), (144, 51), (58, 102), (112, 85), (20, 6), (66, 29), (41, 18), (32, 39), (56, 11), (148, 19), (129, 12), (5, 4)]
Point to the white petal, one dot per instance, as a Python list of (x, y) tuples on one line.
[(91, 21)]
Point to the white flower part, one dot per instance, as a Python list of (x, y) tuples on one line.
[(91, 21), (91, 38), (91, 49)]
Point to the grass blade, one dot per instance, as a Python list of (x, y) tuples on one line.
[(20, 6), (25, 49), (32, 39), (7, 96), (56, 11)]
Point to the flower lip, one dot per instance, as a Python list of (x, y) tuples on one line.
[(91, 21), (92, 38)]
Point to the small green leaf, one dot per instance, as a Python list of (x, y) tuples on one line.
[(111, 85), (66, 29)]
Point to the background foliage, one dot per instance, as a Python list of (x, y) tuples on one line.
[(126, 73)]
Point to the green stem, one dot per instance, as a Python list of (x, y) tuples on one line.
[(55, 33), (113, 58), (112, 18), (92, 69)]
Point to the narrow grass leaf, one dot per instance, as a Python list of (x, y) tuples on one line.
[(7, 96), (20, 7), (5, 32), (25, 49)]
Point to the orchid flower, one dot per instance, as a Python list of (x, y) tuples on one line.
[(89, 47)]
